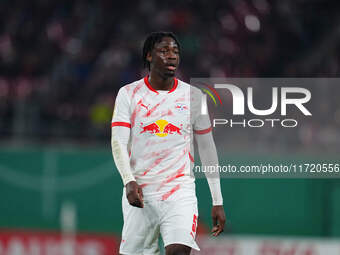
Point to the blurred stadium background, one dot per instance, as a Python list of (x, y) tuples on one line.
[(61, 65)]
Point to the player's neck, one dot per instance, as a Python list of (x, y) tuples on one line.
[(160, 83)]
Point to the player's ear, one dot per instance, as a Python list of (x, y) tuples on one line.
[(149, 57)]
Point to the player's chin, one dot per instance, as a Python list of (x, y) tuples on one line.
[(169, 73)]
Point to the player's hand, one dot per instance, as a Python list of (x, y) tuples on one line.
[(134, 194), (218, 217)]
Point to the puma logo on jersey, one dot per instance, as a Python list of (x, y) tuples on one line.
[(146, 107)]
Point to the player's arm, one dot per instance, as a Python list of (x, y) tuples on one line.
[(208, 156), (120, 135)]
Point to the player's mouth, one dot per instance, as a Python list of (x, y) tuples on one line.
[(171, 67)]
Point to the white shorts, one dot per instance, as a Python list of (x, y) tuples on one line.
[(175, 221)]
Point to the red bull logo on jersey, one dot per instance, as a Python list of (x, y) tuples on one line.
[(161, 128)]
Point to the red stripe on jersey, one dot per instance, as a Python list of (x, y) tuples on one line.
[(143, 185), (150, 142), (203, 131), (175, 86), (147, 83), (173, 162), (165, 153), (170, 178), (149, 112), (137, 109), (191, 157), (120, 124), (170, 192), (155, 163), (136, 89), (182, 98)]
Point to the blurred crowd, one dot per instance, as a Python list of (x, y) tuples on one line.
[(62, 62)]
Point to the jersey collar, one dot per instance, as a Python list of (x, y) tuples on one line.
[(146, 81)]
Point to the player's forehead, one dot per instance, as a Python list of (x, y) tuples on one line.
[(166, 41)]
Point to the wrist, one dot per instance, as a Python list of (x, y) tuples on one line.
[(128, 179), (218, 203)]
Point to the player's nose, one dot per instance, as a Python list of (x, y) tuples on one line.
[(172, 56)]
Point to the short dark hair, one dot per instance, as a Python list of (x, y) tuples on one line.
[(151, 40)]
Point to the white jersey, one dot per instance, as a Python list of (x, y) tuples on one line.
[(161, 137)]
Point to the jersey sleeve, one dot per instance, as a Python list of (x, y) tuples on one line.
[(121, 112), (120, 136), (202, 124)]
